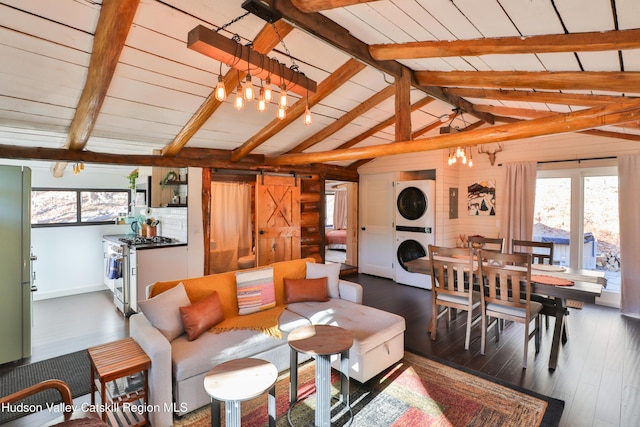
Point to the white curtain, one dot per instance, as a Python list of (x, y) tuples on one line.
[(340, 209), (230, 225), (518, 202), (629, 212)]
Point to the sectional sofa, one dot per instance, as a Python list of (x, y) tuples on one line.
[(183, 347)]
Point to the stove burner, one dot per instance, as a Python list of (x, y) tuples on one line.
[(140, 240)]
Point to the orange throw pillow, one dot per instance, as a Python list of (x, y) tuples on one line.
[(301, 290), (202, 315)]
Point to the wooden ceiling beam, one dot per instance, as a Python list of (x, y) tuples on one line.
[(383, 125), (264, 42), (335, 35), (628, 81), (194, 157), (325, 88), (625, 111), (308, 6), (344, 120), (561, 98), (597, 41), (110, 36)]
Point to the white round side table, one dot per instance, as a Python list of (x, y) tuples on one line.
[(237, 380)]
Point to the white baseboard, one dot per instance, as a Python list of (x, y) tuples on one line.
[(609, 299), (38, 295)]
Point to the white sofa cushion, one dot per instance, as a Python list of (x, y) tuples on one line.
[(331, 271), (189, 358), (370, 326), (163, 311)]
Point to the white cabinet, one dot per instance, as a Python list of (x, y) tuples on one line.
[(148, 266), (376, 241)]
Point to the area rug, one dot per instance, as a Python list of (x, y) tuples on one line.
[(73, 368), (417, 391)]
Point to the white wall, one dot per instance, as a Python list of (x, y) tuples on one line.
[(70, 259), (566, 146)]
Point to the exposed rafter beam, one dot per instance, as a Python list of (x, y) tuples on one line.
[(628, 81), (325, 88), (335, 35), (111, 33), (318, 5), (626, 111), (383, 125), (216, 46), (344, 120), (264, 42), (195, 157), (529, 96), (575, 42)]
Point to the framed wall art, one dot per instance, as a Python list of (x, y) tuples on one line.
[(482, 198)]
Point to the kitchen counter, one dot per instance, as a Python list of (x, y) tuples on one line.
[(143, 242)]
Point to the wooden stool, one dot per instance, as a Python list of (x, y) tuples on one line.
[(111, 362), (238, 380)]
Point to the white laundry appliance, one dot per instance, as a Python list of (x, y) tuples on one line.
[(414, 228), (415, 204)]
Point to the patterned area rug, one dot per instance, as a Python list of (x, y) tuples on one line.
[(416, 391)]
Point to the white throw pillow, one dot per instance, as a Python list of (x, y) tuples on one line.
[(331, 271), (163, 311)]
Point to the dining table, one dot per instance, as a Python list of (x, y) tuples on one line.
[(578, 285)]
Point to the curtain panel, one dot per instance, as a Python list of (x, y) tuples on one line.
[(629, 212), (518, 201)]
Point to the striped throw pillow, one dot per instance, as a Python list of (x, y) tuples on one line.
[(255, 290)]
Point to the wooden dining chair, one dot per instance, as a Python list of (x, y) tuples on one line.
[(541, 252), (452, 270), (487, 243), (506, 294)]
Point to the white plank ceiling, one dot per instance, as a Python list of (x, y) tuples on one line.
[(159, 83)]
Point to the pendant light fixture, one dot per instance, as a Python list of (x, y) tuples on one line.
[(239, 103), (221, 90), (268, 93), (242, 57)]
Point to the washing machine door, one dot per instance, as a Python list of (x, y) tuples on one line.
[(409, 250), (412, 203)]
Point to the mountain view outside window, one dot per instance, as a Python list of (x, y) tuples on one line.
[(73, 207)]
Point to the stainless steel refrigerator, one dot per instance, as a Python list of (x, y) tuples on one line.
[(15, 263)]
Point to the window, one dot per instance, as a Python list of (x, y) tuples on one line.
[(58, 207), (580, 205)]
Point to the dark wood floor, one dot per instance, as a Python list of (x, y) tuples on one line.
[(598, 373)]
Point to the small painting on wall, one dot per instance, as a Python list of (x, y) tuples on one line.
[(482, 198)]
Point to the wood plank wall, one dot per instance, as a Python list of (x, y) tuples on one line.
[(312, 219)]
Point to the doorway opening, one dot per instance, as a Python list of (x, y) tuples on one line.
[(340, 224)]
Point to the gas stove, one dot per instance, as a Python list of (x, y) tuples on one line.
[(141, 240)]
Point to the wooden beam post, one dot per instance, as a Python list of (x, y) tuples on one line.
[(403, 106)]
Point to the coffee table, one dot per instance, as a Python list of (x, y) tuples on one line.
[(238, 380), (322, 342)]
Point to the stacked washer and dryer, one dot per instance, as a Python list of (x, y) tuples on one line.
[(415, 228)]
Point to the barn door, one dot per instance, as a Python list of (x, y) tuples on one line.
[(277, 219)]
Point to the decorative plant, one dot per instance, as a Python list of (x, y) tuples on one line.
[(132, 178)]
